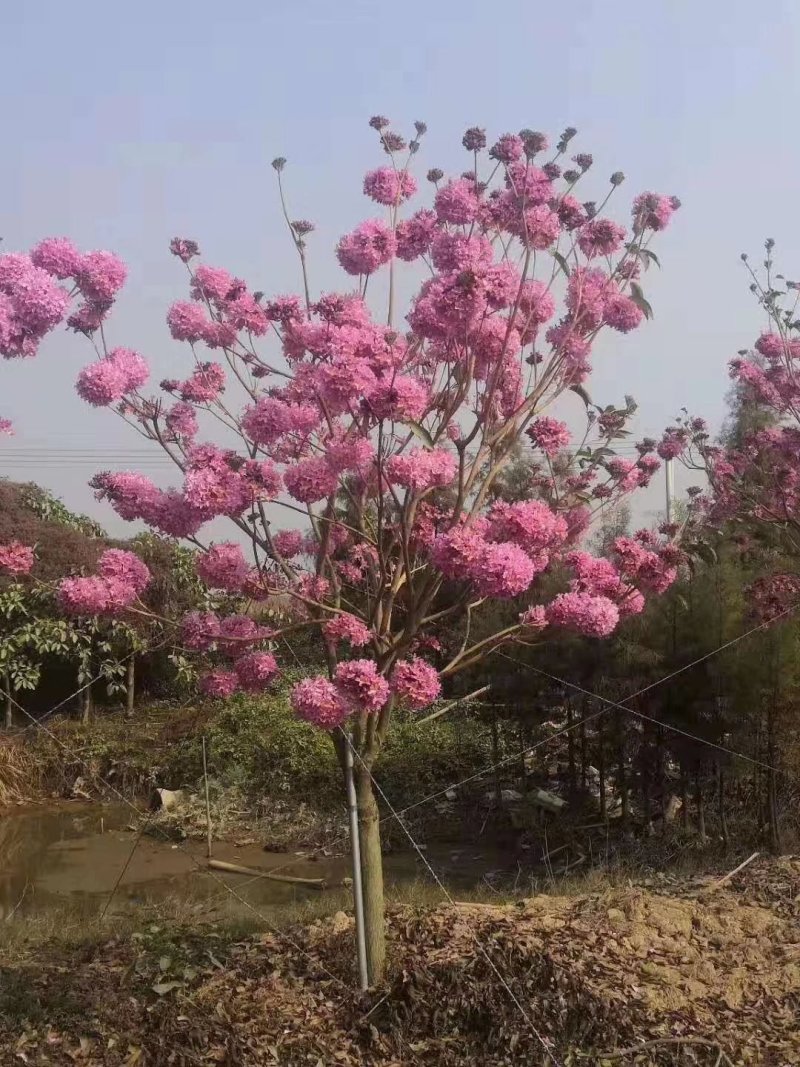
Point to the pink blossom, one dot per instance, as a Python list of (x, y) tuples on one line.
[(422, 468), (415, 682), (95, 595), (6, 428), (181, 420), (311, 480), (414, 235), (652, 211), (504, 570), (400, 397), (594, 616), (236, 632), (360, 683), (256, 670), (346, 627), (205, 383), (211, 283), (349, 454), (457, 252), (570, 212), (531, 524), (389, 186), (548, 434), (125, 567), (288, 543), (223, 566), (534, 618), (538, 227), (457, 202), (270, 419), (368, 247), (601, 237), (101, 383), (188, 321), (133, 367), (199, 630), (319, 702), (58, 256), (100, 275), (16, 558), (622, 313), (508, 148), (219, 684)]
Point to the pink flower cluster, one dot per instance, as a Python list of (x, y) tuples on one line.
[(121, 578), (346, 627), (16, 558), (109, 379), (357, 686), (415, 682)]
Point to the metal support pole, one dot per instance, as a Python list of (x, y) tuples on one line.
[(669, 474), (358, 889), (208, 802)]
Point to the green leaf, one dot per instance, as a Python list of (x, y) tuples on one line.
[(582, 394), (651, 257), (638, 297), (419, 431), (561, 261)]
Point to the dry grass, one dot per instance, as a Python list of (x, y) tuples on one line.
[(20, 772)]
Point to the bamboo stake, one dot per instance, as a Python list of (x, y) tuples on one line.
[(716, 885), (237, 868), (208, 803)]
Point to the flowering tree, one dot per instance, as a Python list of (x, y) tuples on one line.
[(386, 440), (754, 477)]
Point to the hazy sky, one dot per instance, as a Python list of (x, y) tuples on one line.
[(127, 124)]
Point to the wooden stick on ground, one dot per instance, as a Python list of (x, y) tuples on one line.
[(722, 881), (237, 868)]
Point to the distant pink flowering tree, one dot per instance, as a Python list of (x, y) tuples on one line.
[(385, 437), (754, 481)]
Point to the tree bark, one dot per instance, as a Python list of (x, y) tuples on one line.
[(701, 811), (572, 769), (88, 705), (584, 752), (130, 686), (496, 761), (723, 819), (684, 799), (9, 703), (601, 770), (621, 769), (372, 875)]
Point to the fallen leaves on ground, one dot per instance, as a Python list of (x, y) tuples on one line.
[(592, 973)]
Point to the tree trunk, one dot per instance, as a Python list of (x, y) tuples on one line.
[(584, 752), (498, 795), (601, 770), (88, 705), (372, 875), (772, 804), (621, 771), (723, 819), (9, 703), (684, 799), (130, 687), (701, 811), (572, 785)]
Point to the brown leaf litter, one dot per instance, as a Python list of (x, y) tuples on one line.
[(621, 969)]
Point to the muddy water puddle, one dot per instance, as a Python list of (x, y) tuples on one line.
[(81, 859)]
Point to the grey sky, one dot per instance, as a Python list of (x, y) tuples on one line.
[(128, 124)]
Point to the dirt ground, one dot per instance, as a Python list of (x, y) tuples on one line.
[(622, 976)]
